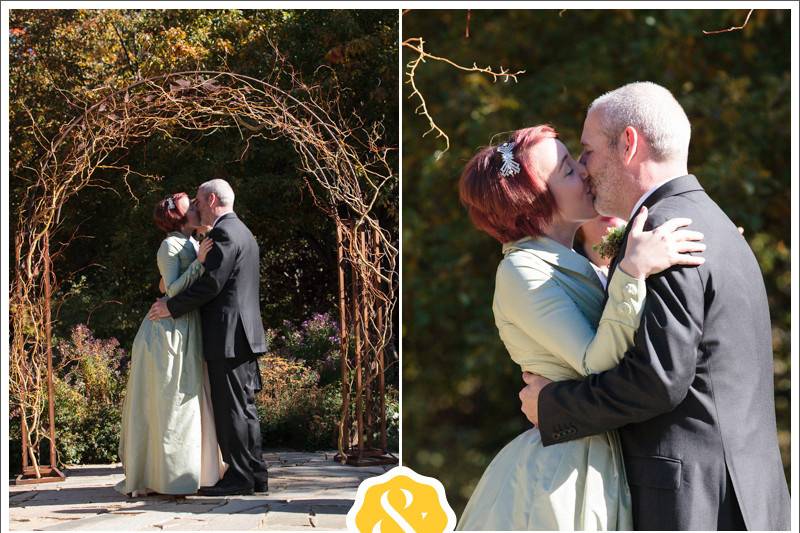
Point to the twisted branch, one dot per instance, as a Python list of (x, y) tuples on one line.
[(732, 28), (417, 45)]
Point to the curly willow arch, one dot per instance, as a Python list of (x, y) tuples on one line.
[(340, 157)]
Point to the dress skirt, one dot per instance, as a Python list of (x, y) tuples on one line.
[(574, 485), (168, 443)]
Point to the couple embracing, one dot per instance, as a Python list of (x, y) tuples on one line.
[(652, 399), (189, 421)]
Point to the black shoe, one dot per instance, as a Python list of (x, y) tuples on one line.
[(223, 489), (260, 487)]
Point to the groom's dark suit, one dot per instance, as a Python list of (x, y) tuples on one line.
[(233, 337), (694, 398)]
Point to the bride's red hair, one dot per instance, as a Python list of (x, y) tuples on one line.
[(511, 207), (170, 219)]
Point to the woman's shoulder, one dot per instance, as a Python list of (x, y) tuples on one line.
[(522, 262), (173, 243), (522, 271)]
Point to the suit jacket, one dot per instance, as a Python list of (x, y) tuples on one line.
[(227, 294), (694, 398)]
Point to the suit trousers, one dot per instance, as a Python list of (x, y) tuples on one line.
[(234, 383)]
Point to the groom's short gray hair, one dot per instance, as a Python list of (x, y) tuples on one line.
[(654, 112), (221, 188)]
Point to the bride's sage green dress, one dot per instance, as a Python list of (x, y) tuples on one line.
[(168, 443), (548, 308)]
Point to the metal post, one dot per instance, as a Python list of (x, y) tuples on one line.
[(366, 302), (344, 437), (49, 338), (357, 325), (380, 354), (40, 473), (25, 451)]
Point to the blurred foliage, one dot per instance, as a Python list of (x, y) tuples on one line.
[(460, 402)]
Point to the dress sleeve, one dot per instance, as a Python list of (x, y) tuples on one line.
[(169, 264), (534, 301)]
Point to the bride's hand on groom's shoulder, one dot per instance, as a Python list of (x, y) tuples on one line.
[(651, 252), (205, 247)]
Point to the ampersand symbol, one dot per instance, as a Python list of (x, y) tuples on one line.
[(402, 505)]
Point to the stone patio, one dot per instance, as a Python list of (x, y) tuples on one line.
[(307, 491)]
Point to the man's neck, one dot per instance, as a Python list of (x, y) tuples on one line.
[(217, 213), (652, 174)]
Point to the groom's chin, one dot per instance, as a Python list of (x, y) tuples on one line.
[(598, 207)]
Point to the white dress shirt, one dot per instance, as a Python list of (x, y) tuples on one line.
[(647, 194), (219, 217)]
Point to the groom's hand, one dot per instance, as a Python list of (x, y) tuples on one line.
[(529, 395), (159, 310)]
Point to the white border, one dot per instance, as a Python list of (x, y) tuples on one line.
[(394, 472), (401, 100), (795, 250), (412, 4), (4, 284)]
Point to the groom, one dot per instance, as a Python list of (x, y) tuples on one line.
[(693, 400), (233, 337)]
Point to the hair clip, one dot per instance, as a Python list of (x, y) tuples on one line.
[(510, 167), (170, 204)]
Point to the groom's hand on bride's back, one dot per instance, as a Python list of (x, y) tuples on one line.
[(529, 395)]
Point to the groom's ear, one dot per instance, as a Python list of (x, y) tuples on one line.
[(631, 141)]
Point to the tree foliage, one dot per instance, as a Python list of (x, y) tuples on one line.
[(460, 402)]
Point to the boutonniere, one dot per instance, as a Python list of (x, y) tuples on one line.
[(200, 232), (611, 243)]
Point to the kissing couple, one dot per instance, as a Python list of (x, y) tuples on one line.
[(189, 421), (652, 399)]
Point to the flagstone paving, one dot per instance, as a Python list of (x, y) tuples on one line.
[(307, 491)]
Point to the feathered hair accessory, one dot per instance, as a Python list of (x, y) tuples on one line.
[(510, 167)]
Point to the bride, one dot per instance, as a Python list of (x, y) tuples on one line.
[(168, 443), (549, 309)]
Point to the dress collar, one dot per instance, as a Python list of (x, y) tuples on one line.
[(553, 253)]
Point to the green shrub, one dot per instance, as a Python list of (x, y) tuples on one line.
[(89, 377), (291, 406), (89, 393)]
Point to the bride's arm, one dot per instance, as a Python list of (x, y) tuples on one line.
[(169, 265), (535, 302)]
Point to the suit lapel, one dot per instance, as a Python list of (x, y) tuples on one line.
[(226, 216), (671, 188)]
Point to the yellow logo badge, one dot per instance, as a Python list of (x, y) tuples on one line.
[(401, 501)]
